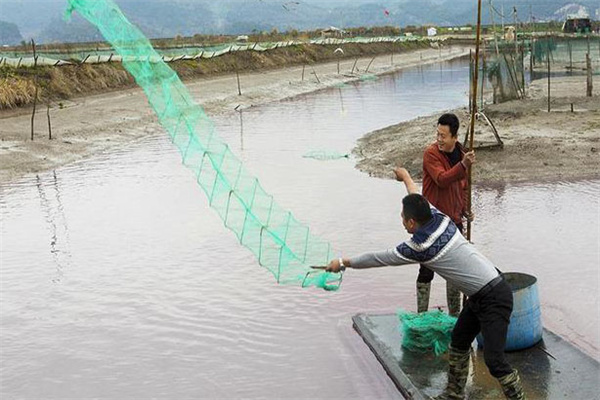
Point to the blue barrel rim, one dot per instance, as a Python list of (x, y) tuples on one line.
[(519, 281)]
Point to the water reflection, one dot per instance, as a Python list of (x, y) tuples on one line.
[(161, 284), (54, 215)]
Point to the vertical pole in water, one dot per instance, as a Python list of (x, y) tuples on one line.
[(570, 56), (533, 52), (49, 124), (470, 79), (482, 73), (531, 57), (473, 112), (36, 86), (548, 60), (494, 30), (516, 36), (588, 64), (523, 66)]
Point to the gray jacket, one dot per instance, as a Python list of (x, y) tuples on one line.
[(441, 247)]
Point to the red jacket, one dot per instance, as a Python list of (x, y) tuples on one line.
[(444, 186)]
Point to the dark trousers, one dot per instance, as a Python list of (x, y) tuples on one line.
[(425, 274), (490, 315)]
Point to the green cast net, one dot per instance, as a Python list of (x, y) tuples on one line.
[(427, 331), (324, 155), (282, 244)]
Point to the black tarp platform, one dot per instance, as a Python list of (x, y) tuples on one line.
[(552, 369)]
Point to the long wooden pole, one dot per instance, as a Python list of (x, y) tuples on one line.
[(35, 82), (473, 112), (548, 60)]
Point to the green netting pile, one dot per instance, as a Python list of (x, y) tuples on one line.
[(281, 243), (426, 331)]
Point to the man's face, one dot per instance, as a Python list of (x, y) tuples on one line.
[(409, 224), (445, 141)]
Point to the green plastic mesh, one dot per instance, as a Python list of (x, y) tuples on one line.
[(567, 53), (280, 243), (368, 77), (427, 331), (325, 155), (506, 74)]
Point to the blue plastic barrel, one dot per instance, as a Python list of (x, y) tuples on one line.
[(525, 328)]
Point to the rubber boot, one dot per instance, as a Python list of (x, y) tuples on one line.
[(458, 371), (423, 290), (511, 386), (453, 298)]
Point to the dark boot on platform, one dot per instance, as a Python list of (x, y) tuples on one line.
[(423, 290), (458, 371), (511, 386)]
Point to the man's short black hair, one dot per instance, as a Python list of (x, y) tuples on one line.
[(451, 121), (416, 207)]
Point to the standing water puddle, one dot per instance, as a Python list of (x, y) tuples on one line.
[(119, 281)]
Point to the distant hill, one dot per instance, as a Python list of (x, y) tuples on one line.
[(9, 33), (42, 19)]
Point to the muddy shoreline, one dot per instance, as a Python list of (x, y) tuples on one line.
[(538, 146), (89, 125)]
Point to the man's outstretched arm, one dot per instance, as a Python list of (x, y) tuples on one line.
[(402, 175)]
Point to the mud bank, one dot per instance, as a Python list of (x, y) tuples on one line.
[(87, 125), (60, 83), (538, 146)]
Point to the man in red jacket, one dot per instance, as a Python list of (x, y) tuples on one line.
[(445, 165)]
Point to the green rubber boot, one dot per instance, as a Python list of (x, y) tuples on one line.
[(453, 297), (458, 372), (423, 290), (511, 386)]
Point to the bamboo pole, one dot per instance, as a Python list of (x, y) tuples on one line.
[(35, 82), (470, 79), (531, 57), (482, 73), (315, 74), (35, 98), (473, 112), (548, 59), (49, 123), (588, 64), (523, 67), (370, 62), (494, 29)]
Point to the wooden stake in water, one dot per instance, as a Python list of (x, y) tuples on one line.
[(49, 124), (588, 63), (371, 62), (35, 82), (548, 60), (353, 66)]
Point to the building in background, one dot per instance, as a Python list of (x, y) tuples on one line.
[(577, 25)]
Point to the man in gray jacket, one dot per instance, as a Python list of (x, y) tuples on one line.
[(437, 243)]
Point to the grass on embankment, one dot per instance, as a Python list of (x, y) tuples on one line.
[(18, 85)]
